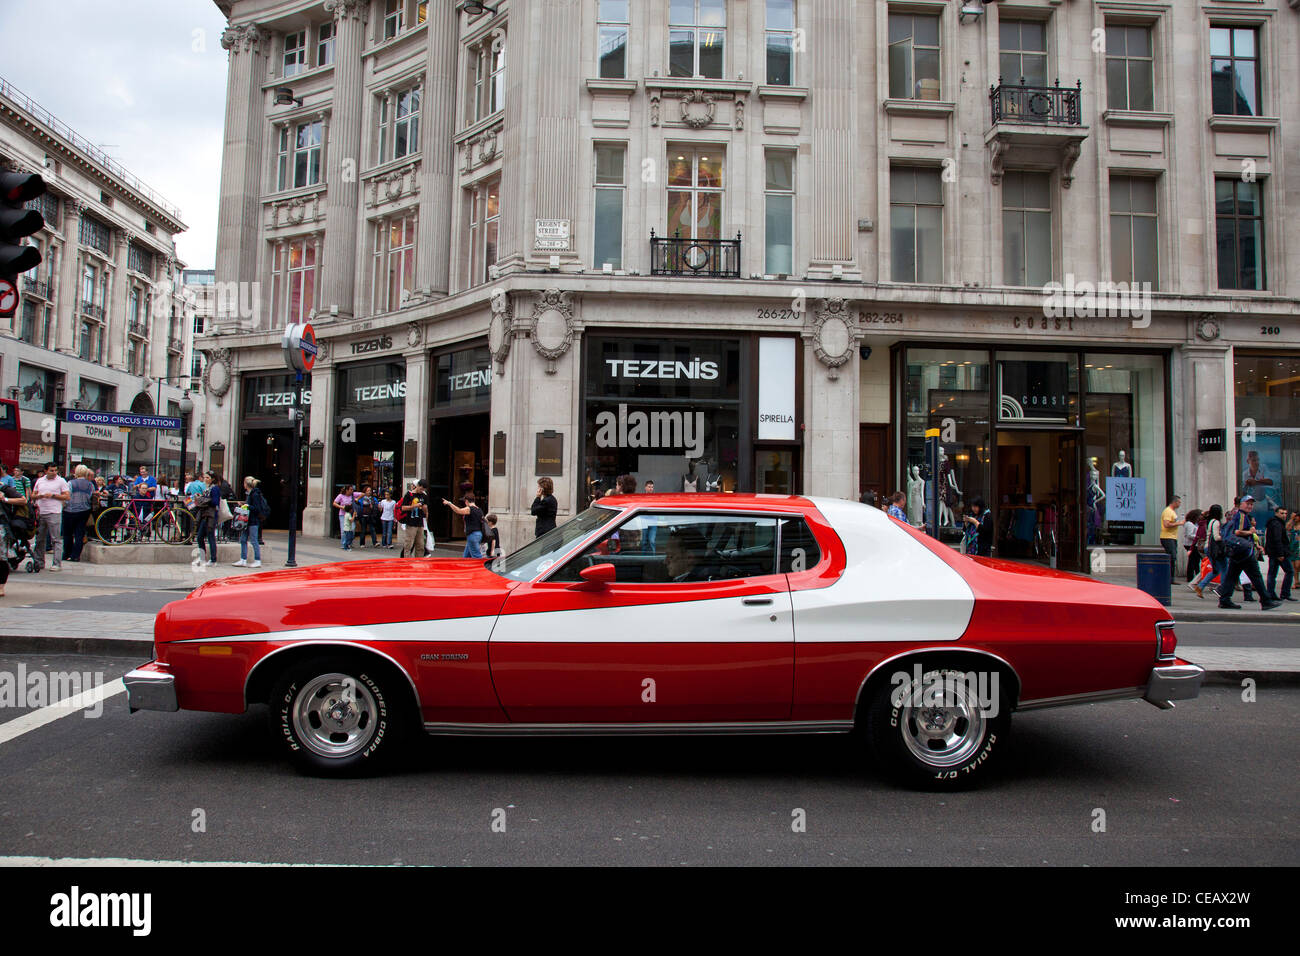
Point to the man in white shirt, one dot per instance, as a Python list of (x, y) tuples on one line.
[(49, 494)]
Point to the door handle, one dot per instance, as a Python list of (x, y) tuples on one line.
[(755, 601)]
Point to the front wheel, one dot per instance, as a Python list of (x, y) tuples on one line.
[(335, 716), (942, 731)]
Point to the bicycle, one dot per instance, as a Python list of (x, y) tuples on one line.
[(129, 524)]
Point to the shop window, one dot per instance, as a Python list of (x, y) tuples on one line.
[(780, 42), (1022, 54), (611, 38), (697, 36), (610, 192), (1234, 71), (1026, 229), (1134, 236), (1130, 68), (778, 218), (915, 225), (913, 56), (1267, 390), (483, 219), (1239, 232)]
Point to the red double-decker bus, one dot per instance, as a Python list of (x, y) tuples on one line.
[(9, 433)]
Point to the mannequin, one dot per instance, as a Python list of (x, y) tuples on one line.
[(949, 493), (690, 480), (1095, 497), (915, 497), (1122, 468)]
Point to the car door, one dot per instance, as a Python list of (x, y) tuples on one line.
[(696, 627)]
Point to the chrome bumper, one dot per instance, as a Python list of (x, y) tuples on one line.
[(150, 690), (1176, 682)]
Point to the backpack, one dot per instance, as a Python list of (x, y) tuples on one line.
[(1216, 548), (261, 508)]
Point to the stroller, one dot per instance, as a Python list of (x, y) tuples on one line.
[(17, 529)]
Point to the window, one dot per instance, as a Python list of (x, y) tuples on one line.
[(325, 44), (1023, 52), (298, 161), (780, 42), (487, 79), (915, 225), (695, 194), (399, 124), (697, 37), (196, 365), (611, 38), (139, 259), (393, 18), (93, 233), (1234, 71), (131, 355), (913, 56), (798, 547), (1133, 231), (47, 204), (394, 263), (293, 281), (687, 547), (1026, 229), (88, 276), (1130, 68), (84, 342), (295, 53), (778, 213), (30, 321), (1239, 222), (484, 215), (610, 189)]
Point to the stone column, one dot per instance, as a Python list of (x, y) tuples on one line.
[(115, 320), (419, 372), (317, 515), (238, 221), (68, 299), (342, 160), (438, 152), (1207, 402), (834, 135)]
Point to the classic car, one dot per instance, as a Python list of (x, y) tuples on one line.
[(665, 614)]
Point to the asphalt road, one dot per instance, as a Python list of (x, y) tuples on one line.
[(1237, 634), (1212, 782)]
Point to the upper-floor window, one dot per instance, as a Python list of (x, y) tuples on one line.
[(325, 44), (611, 37), (1130, 68), (611, 186), (913, 56), (778, 213), (486, 80), (915, 225), (133, 307), (298, 160), (1023, 52), (1026, 229), (399, 124), (47, 204), (139, 259), (93, 233), (1134, 236), (393, 272), (89, 275), (394, 16), (1239, 233), (483, 212), (697, 36), (295, 53), (780, 42), (293, 280), (695, 193), (1234, 71)]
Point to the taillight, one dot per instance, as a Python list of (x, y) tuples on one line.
[(1166, 641)]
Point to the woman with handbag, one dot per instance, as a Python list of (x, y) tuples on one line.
[(258, 509), (1215, 549), (208, 508)]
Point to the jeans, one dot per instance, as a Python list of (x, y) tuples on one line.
[(363, 528), (1171, 548), (341, 532), (51, 524), (1242, 559), (388, 532), (472, 542), (347, 539), (250, 531), (1273, 565), (1217, 569), (74, 533), (207, 535), (648, 539)]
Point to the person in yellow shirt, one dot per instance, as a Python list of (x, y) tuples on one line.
[(1169, 525)]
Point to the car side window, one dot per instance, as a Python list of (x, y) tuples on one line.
[(667, 547), (799, 550)]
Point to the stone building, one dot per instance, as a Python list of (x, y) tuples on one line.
[(767, 246), (100, 324)]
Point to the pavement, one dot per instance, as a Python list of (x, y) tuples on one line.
[(110, 609)]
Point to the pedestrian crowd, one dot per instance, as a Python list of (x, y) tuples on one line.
[(1228, 548)]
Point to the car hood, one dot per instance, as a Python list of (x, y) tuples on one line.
[(352, 593)]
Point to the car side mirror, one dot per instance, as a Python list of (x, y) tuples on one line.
[(598, 575)]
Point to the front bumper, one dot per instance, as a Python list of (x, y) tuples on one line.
[(1181, 681), (151, 687)]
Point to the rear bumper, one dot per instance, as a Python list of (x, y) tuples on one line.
[(151, 687), (1181, 681)]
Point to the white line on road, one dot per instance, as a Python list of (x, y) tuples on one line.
[(69, 705), (124, 861)]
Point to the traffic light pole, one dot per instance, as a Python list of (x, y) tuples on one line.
[(290, 558)]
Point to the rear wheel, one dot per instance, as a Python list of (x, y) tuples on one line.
[(942, 732), (335, 716), (115, 526)]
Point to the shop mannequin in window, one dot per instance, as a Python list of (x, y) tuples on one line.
[(1095, 497), (915, 497), (691, 480), (949, 493), (1121, 468)]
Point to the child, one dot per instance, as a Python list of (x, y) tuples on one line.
[(349, 529), (492, 540), (386, 509)]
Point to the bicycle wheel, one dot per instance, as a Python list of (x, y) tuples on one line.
[(116, 526), (176, 527)]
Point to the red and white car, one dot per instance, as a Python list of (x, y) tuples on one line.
[(662, 614)]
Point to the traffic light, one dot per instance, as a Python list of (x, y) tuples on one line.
[(17, 222)]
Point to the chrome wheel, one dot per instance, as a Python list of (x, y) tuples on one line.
[(942, 723), (335, 715)]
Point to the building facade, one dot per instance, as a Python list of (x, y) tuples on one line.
[(767, 247), (100, 323)]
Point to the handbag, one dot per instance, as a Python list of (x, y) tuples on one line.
[(429, 541), (1217, 548), (223, 513)]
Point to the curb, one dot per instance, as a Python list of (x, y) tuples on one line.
[(1236, 617), (88, 646)]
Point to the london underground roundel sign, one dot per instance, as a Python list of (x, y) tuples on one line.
[(299, 347)]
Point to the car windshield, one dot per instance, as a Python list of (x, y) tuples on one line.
[(538, 556)]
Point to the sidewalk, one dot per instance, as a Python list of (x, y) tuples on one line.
[(1186, 606)]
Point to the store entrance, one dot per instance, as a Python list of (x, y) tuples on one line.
[(1036, 485), (776, 471), (458, 463), (267, 454), (374, 458)]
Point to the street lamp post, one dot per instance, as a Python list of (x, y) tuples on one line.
[(58, 427), (187, 406)]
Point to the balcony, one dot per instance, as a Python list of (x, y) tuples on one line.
[(1035, 125), (138, 327), (176, 344), (37, 287), (704, 258), (92, 310)]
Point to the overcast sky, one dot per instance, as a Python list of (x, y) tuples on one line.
[(145, 80)]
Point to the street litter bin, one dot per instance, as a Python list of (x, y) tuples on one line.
[(1154, 576)]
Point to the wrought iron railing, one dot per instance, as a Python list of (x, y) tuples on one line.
[(709, 258), (1048, 105), (37, 287), (138, 327), (176, 345), (92, 310)]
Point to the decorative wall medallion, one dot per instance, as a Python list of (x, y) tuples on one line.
[(413, 334), (322, 347), (833, 334), (551, 329), (1207, 328), (488, 148), (216, 374), (698, 109)]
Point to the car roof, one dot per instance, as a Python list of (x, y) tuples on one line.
[(708, 501)]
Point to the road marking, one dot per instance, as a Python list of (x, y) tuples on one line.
[(62, 708), (126, 861)]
